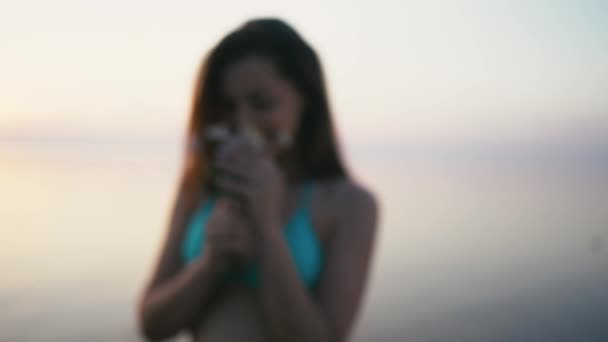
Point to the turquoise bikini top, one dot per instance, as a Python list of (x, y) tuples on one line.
[(299, 234)]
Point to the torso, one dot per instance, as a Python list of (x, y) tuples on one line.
[(236, 314)]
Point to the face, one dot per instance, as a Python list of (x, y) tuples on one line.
[(256, 94)]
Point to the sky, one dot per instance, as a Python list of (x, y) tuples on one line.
[(396, 70)]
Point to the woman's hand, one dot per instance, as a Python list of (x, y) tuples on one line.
[(251, 176), (228, 236)]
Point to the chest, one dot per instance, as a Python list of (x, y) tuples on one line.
[(321, 211)]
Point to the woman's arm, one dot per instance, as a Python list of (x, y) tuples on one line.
[(169, 307), (175, 294), (292, 312)]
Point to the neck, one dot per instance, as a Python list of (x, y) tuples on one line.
[(291, 167)]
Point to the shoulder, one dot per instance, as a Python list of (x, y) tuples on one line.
[(350, 194), (352, 201)]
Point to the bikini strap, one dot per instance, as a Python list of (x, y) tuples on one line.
[(307, 195)]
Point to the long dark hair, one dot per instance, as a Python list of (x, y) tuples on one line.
[(315, 145)]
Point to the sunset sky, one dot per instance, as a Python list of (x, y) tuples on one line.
[(395, 69)]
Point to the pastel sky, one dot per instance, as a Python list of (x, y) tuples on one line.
[(395, 69)]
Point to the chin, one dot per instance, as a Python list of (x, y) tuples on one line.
[(279, 152)]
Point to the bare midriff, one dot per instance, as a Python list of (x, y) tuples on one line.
[(235, 316)]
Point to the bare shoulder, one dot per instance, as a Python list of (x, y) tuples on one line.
[(349, 194), (350, 200)]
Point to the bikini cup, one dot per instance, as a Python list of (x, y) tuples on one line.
[(300, 236)]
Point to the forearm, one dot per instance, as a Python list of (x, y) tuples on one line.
[(170, 307), (290, 310)]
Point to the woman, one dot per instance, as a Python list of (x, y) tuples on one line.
[(270, 239)]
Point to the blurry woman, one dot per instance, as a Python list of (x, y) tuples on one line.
[(270, 238)]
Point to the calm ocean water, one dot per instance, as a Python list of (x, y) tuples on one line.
[(476, 243)]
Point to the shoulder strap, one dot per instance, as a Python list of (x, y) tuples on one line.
[(307, 195)]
